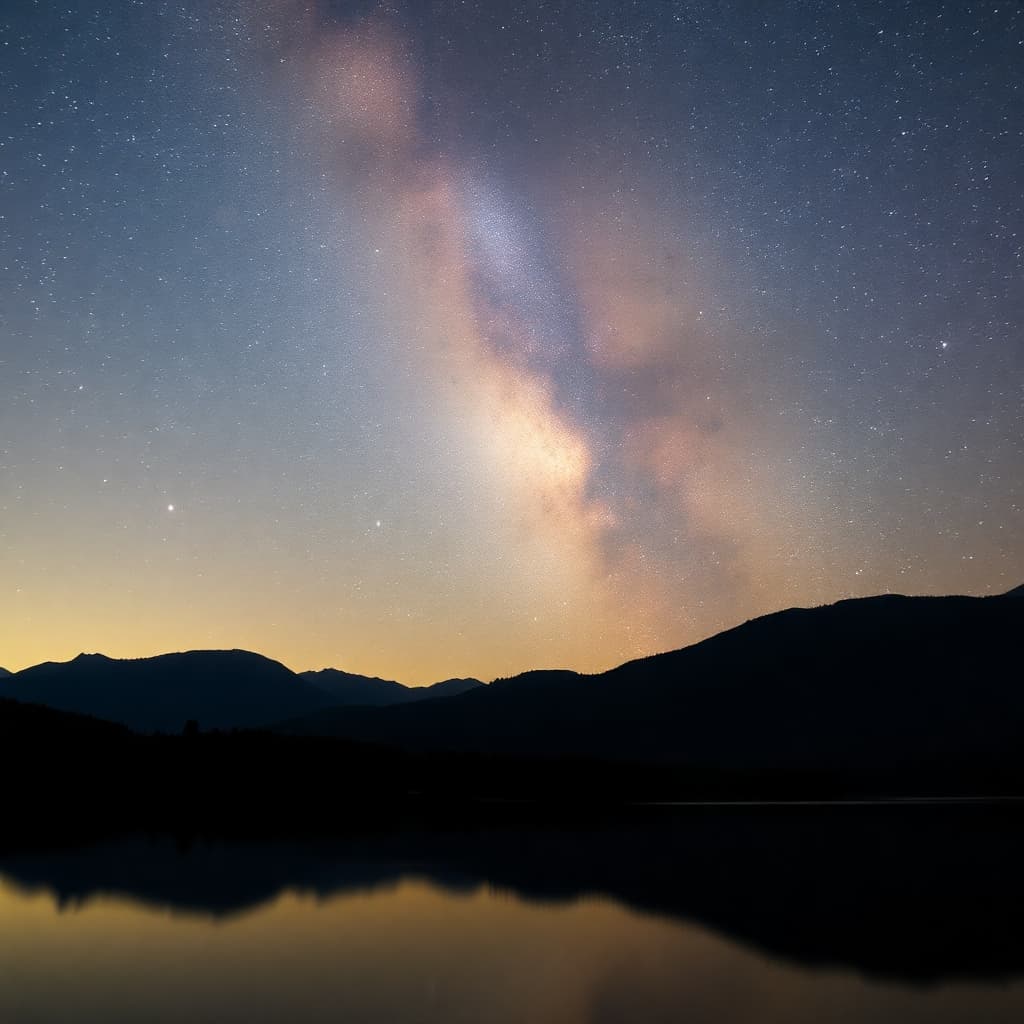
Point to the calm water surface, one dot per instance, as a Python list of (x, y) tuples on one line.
[(535, 925)]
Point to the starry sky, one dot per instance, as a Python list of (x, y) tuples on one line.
[(457, 337)]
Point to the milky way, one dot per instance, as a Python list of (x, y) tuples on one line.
[(450, 339)]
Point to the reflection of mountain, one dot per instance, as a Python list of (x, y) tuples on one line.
[(910, 892)]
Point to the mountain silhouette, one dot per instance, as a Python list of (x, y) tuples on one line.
[(872, 688), (219, 689), (446, 688), (348, 689), (876, 695), (4, 673)]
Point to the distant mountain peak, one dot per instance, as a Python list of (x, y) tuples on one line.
[(221, 689), (538, 679), (447, 688), (350, 689)]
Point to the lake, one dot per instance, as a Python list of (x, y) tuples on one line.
[(810, 914)]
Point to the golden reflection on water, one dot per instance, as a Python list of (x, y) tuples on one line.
[(418, 952)]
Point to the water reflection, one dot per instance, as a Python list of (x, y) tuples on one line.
[(847, 916)]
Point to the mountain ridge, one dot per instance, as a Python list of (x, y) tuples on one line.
[(220, 689), (372, 691), (868, 685), (211, 687), (871, 688)]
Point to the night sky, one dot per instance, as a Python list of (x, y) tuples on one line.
[(459, 338)]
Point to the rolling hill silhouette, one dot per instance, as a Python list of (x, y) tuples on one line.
[(445, 688), (31, 725), (884, 686), (347, 689), (220, 689), (885, 694), (4, 673), (217, 689)]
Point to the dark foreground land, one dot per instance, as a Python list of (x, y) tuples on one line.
[(886, 697), (81, 772)]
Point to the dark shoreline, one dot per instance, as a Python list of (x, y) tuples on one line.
[(94, 774)]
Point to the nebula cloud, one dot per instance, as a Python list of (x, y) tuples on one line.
[(625, 483)]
